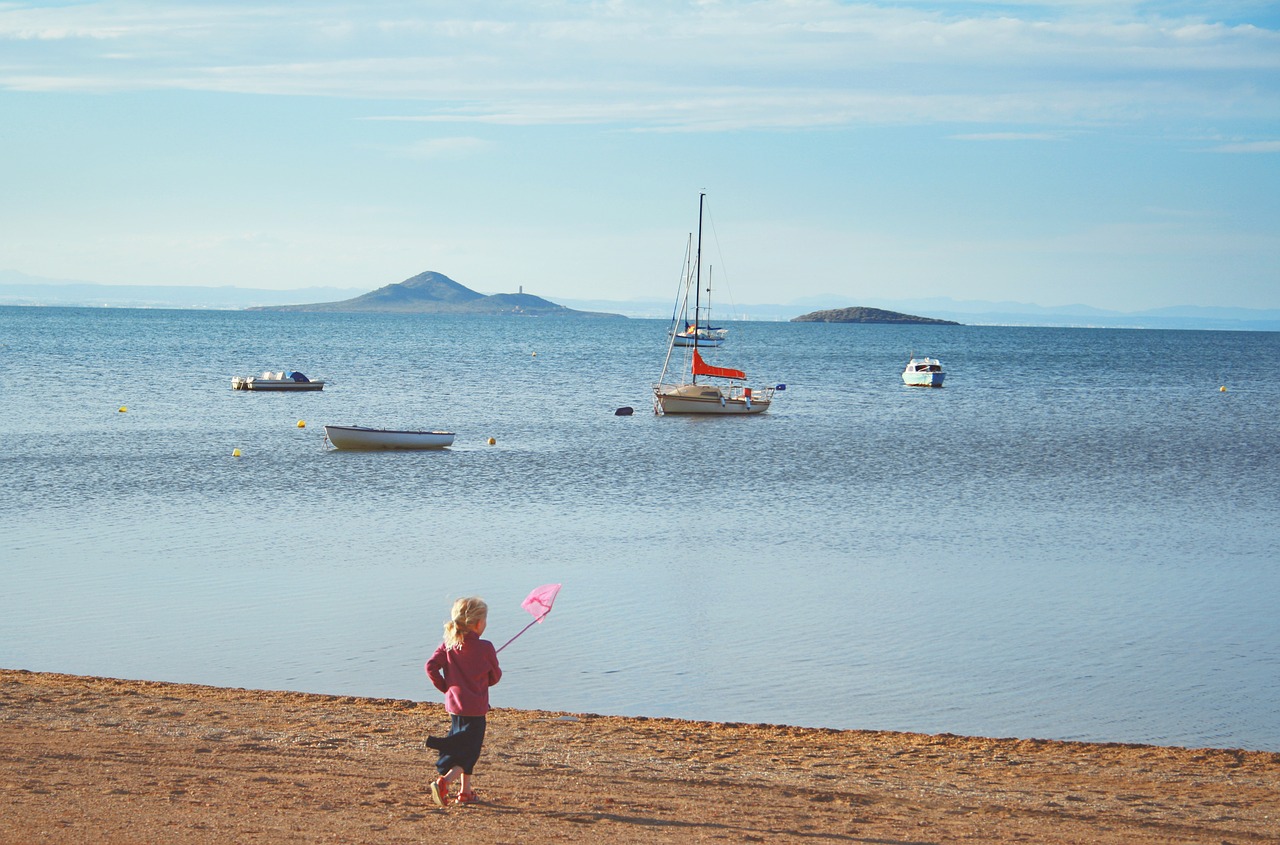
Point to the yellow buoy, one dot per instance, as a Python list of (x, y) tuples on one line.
[(302, 423), (492, 441), (235, 453), (123, 409), (1222, 389)]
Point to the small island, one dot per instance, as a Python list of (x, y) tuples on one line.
[(436, 293), (859, 314)]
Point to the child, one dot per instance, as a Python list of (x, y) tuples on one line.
[(463, 668)]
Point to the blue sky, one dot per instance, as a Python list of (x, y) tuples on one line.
[(1121, 155)]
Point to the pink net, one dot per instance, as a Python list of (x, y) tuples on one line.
[(539, 602)]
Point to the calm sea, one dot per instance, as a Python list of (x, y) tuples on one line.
[(1077, 538)]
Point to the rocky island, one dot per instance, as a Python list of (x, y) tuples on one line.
[(436, 293), (868, 315)]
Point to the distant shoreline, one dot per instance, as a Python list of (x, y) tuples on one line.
[(18, 288), (975, 320)]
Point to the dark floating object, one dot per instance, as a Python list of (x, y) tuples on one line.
[(624, 411)]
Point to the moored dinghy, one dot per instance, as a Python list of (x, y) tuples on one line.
[(355, 437)]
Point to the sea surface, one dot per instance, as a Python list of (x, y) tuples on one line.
[(1077, 538)]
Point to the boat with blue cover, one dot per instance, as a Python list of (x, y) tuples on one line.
[(282, 380)]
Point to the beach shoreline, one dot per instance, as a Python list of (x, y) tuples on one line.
[(122, 761)]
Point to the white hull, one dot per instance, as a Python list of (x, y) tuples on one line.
[(703, 342), (923, 379), (357, 437), (708, 399)]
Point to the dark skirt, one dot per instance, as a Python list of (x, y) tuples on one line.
[(462, 746)]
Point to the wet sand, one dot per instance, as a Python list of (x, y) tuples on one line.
[(110, 761)]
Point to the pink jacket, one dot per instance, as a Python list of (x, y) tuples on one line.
[(464, 675)]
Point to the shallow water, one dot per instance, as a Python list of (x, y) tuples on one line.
[(1075, 538)]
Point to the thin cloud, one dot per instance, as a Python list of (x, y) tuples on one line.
[(1009, 136), (666, 66), (1249, 147)]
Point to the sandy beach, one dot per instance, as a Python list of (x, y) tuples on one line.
[(116, 761)]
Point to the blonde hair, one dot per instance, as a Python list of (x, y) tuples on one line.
[(467, 614)]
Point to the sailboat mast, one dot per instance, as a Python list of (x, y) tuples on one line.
[(697, 296), (710, 270), (697, 289)]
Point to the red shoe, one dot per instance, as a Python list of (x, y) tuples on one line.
[(467, 797), (440, 792)]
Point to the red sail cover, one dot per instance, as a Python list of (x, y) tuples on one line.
[(702, 368)]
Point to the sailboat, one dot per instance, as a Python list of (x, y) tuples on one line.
[(698, 331), (695, 334), (685, 393)]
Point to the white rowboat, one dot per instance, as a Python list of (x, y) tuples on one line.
[(358, 437)]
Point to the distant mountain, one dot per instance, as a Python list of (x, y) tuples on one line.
[(436, 293), (860, 314)]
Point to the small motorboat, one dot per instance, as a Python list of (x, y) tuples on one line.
[(367, 439), (276, 381), (923, 372)]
